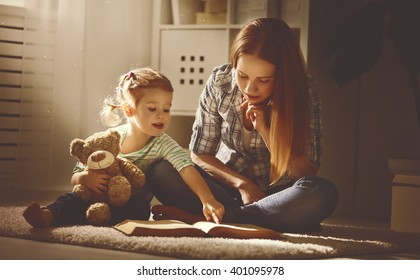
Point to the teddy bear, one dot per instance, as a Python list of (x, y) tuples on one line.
[(100, 152)]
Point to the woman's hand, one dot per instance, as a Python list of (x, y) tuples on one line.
[(250, 192), (213, 210), (301, 166), (257, 114), (95, 180)]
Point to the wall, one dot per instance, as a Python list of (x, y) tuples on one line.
[(365, 122), (68, 85), (117, 38), (180, 129), (97, 41)]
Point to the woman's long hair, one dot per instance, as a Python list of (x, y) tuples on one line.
[(272, 40)]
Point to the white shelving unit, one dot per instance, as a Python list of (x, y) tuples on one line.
[(187, 51)]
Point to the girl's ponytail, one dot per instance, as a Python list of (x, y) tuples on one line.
[(109, 114)]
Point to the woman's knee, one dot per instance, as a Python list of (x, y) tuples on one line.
[(319, 200), (319, 185), (329, 189), (325, 191), (322, 192)]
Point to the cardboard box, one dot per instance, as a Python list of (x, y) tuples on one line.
[(246, 10), (184, 11), (404, 165), (211, 18), (405, 210), (215, 6)]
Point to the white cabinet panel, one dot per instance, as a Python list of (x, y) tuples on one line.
[(187, 58)]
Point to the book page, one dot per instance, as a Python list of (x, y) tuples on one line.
[(242, 231), (207, 226), (162, 224), (131, 226), (176, 228)]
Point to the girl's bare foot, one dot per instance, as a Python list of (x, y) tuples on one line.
[(38, 217), (166, 212)]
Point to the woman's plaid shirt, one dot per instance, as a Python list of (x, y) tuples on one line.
[(218, 129)]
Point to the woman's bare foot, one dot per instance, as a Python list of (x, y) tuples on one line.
[(166, 212), (38, 217)]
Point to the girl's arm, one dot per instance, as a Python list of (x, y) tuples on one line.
[(212, 209), (95, 180), (249, 191)]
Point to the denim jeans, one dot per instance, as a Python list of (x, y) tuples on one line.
[(299, 206)]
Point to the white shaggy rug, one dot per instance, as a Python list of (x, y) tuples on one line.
[(331, 242)]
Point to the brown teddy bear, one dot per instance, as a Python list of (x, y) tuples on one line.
[(100, 151)]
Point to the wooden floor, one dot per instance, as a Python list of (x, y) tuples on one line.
[(22, 249)]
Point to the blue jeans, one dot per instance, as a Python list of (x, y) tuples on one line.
[(298, 206)]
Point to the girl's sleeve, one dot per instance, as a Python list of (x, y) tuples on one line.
[(79, 167), (171, 151)]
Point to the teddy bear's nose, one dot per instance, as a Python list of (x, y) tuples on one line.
[(98, 156), (100, 160)]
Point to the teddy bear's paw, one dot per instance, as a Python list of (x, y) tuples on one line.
[(134, 174), (139, 179), (98, 214), (83, 192), (119, 191)]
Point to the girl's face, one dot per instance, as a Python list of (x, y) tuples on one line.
[(255, 78), (152, 114)]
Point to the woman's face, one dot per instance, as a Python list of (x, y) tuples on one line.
[(255, 78)]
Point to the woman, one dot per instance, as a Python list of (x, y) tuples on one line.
[(257, 138)]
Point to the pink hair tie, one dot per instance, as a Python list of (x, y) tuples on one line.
[(130, 75)]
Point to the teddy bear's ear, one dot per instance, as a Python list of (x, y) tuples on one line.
[(115, 134), (76, 147)]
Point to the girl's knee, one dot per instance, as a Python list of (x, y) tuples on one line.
[(159, 168), (159, 173)]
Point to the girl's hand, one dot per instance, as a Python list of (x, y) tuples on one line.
[(250, 193), (95, 180), (213, 210)]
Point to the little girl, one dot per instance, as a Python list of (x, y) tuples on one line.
[(145, 98)]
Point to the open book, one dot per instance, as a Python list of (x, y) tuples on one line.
[(174, 228)]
